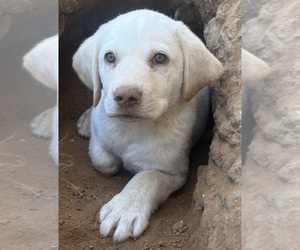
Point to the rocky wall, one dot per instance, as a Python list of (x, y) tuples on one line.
[(217, 193), (271, 196)]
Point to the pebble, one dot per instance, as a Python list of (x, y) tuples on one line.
[(179, 228), (161, 243), (4, 222)]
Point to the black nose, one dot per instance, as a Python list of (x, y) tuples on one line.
[(126, 96)]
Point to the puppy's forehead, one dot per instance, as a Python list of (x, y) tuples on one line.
[(142, 25)]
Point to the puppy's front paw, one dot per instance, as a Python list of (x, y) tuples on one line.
[(83, 124), (41, 125), (123, 217)]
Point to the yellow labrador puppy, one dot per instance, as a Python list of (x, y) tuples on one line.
[(148, 70)]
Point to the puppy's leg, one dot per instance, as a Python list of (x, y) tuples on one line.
[(41, 125), (83, 124), (127, 213), (103, 160)]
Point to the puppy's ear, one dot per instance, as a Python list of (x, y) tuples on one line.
[(253, 68), (200, 67), (42, 62), (85, 63)]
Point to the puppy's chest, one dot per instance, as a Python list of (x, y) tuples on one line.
[(121, 137), (143, 147), (125, 138)]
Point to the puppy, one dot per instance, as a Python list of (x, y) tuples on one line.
[(42, 63), (148, 70)]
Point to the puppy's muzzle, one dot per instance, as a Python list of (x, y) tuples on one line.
[(127, 97)]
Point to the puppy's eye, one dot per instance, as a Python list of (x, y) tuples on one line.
[(110, 57), (159, 58)]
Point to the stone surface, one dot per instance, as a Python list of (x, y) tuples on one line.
[(271, 196), (217, 193)]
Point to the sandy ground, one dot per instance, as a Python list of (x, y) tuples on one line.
[(83, 190), (28, 179)]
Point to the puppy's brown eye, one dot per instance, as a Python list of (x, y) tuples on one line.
[(110, 57), (159, 58)]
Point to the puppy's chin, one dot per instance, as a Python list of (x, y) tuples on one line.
[(127, 118)]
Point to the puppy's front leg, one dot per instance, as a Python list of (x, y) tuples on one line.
[(127, 213), (103, 160), (41, 125), (83, 124)]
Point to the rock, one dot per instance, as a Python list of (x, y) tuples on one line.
[(271, 174), (179, 228), (161, 243), (217, 194), (61, 222)]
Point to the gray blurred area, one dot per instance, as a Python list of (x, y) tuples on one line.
[(271, 171), (28, 177)]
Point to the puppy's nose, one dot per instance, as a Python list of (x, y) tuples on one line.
[(127, 96)]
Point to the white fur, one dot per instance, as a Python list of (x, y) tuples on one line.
[(154, 139), (42, 63)]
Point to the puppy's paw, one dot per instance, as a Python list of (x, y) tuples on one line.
[(41, 125), (123, 217), (83, 124)]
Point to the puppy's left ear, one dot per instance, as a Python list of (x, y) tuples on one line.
[(200, 66), (85, 63)]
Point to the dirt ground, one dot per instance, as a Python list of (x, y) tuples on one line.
[(83, 190), (28, 178)]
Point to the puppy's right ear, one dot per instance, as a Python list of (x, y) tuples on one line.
[(253, 68), (85, 63), (200, 67)]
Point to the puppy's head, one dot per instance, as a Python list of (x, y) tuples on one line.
[(143, 63)]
